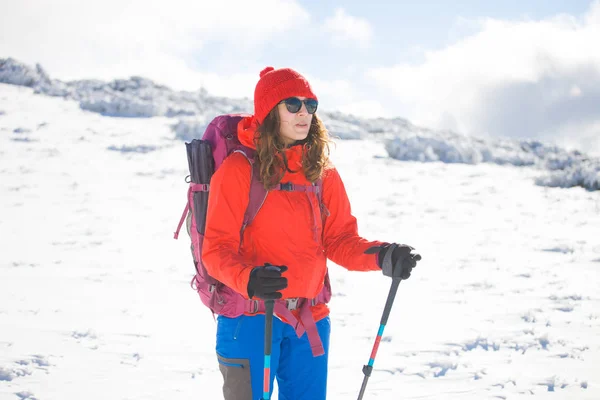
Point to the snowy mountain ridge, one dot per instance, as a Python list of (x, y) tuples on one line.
[(138, 97)]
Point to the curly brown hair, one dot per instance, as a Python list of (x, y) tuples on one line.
[(270, 150)]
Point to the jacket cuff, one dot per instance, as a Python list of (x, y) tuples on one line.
[(243, 280)]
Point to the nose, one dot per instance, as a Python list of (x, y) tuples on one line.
[(303, 110)]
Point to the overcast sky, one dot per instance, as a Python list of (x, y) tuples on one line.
[(503, 68)]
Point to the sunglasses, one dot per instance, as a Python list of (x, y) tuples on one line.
[(294, 104)]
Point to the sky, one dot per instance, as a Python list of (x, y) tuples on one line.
[(511, 68)]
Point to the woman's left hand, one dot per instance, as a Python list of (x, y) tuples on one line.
[(395, 260)]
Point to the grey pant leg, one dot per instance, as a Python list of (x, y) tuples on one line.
[(236, 378)]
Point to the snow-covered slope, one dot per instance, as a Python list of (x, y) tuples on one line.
[(139, 97), (95, 300)]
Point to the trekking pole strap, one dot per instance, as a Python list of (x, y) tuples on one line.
[(181, 221)]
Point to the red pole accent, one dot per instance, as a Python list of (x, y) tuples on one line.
[(375, 347), (267, 380)]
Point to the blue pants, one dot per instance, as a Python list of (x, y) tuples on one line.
[(240, 350)]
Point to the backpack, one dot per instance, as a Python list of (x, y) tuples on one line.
[(205, 156)]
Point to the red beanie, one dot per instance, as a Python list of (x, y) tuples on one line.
[(276, 85)]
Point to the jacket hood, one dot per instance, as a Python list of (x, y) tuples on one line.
[(247, 131)]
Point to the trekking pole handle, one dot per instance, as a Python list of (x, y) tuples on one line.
[(390, 300), (269, 305), (368, 369)]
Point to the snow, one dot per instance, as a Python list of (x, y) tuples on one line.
[(95, 301)]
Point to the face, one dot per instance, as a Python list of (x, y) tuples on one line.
[(293, 126)]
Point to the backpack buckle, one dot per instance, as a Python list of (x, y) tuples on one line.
[(288, 187), (292, 304)]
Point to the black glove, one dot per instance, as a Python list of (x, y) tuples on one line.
[(395, 260), (266, 282)]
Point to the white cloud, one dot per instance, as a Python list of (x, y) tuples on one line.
[(348, 30), (75, 39), (575, 91), (524, 78), (364, 108), (343, 95)]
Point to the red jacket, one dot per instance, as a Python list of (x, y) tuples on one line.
[(283, 231)]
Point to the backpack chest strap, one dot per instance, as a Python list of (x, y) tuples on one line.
[(292, 187)]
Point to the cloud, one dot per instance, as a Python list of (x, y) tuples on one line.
[(344, 95), (527, 78), (346, 30), (164, 41)]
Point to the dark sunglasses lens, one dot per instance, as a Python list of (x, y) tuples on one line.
[(311, 105), (293, 104)]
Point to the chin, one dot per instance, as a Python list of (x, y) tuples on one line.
[(301, 135), (295, 136)]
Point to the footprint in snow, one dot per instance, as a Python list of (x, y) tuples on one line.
[(441, 368), (88, 338), (9, 374), (553, 383), (564, 249), (23, 368)]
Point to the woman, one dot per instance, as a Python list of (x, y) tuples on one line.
[(296, 231)]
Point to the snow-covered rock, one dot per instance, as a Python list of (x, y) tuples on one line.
[(16, 73), (449, 147), (133, 97), (585, 174)]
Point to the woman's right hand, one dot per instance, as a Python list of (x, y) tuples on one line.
[(266, 282)]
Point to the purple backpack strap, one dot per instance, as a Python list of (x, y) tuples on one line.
[(307, 319), (324, 211), (257, 196)]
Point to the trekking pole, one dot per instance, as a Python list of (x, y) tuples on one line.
[(367, 369), (269, 305)]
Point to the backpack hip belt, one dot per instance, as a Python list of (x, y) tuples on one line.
[(303, 323)]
